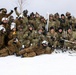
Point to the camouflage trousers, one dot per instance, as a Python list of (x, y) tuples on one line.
[(4, 52), (27, 52)]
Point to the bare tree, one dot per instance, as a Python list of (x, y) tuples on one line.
[(20, 4)]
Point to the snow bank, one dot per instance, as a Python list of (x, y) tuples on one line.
[(52, 64)]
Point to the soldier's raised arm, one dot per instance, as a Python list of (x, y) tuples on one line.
[(9, 13), (17, 13)]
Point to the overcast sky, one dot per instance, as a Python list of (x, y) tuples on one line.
[(43, 6)]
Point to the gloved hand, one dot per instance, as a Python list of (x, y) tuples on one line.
[(52, 38), (15, 8), (11, 11)]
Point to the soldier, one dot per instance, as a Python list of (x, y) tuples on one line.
[(37, 20), (5, 23), (4, 13), (2, 36), (52, 37), (24, 15), (7, 27), (63, 22), (72, 36), (19, 21), (11, 19), (14, 46), (69, 19), (31, 19), (46, 47), (57, 20), (69, 37), (13, 33), (3, 48), (60, 38), (20, 35), (42, 22), (52, 23)]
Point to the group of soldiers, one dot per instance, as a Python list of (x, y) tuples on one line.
[(32, 35)]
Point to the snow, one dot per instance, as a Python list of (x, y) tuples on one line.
[(48, 64)]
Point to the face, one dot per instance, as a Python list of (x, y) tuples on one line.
[(40, 31), (56, 16), (60, 30), (52, 30), (37, 15), (30, 28), (5, 21), (69, 30), (63, 17), (14, 29), (42, 20), (51, 17), (21, 29)]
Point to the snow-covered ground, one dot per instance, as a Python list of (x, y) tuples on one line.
[(49, 64)]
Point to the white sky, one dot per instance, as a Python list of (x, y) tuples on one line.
[(43, 6)]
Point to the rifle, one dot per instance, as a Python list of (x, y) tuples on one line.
[(69, 41)]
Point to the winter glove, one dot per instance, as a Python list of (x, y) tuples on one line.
[(15, 8), (11, 11), (52, 38)]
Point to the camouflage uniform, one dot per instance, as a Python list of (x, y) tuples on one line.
[(60, 37), (69, 37), (52, 37), (14, 46), (52, 23), (57, 20), (2, 36), (21, 36), (63, 22), (4, 52), (24, 17), (37, 21), (4, 13), (74, 40)]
